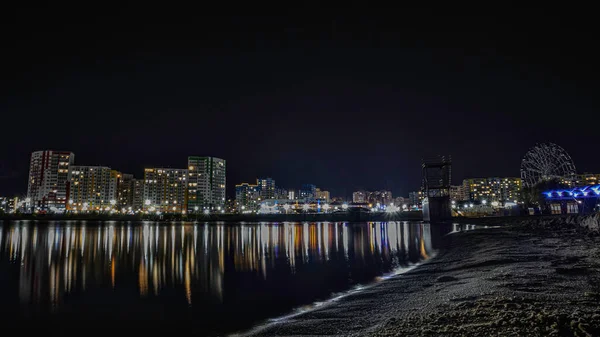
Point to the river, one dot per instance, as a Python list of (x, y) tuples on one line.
[(209, 279)]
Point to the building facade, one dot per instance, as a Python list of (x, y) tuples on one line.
[(47, 183), (416, 198), (125, 189), (379, 197), (493, 189), (206, 183), (165, 190), (266, 187), (458, 193), (89, 188), (307, 193), (247, 197), (323, 195), (359, 197), (138, 195)]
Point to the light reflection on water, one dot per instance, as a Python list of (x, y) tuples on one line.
[(198, 272)]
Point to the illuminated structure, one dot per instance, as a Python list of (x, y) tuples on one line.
[(165, 190), (9, 205), (125, 188), (379, 197), (138, 195), (416, 198), (545, 162), (583, 200), (47, 183), (266, 187), (89, 188), (247, 197), (584, 179), (323, 195), (506, 189), (206, 183), (359, 197), (308, 192), (458, 193)]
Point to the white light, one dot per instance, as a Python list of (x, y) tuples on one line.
[(453, 202), (70, 201), (152, 209), (471, 205), (484, 202), (113, 202), (345, 206), (286, 207), (306, 207), (495, 203), (196, 208), (147, 202), (206, 212), (326, 207)]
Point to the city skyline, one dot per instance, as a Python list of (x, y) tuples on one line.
[(329, 101)]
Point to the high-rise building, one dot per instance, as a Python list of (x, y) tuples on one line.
[(125, 190), (322, 195), (89, 188), (206, 183), (359, 197), (308, 193), (165, 190), (266, 187), (493, 189), (247, 197), (138, 195), (47, 184)]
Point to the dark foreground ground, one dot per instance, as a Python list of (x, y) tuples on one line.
[(532, 279)]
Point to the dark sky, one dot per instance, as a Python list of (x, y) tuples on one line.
[(342, 101)]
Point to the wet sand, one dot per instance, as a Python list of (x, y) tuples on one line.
[(534, 278)]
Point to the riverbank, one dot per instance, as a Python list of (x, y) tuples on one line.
[(534, 277)]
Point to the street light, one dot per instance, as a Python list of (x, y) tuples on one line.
[(484, 202), (147, 202)]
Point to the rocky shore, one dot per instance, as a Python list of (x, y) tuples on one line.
[(533, 277)]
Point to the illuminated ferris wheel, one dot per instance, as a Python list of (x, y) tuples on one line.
[(545, 162)]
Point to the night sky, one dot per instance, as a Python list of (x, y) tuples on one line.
[(341, 101)]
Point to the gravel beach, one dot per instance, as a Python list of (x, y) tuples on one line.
[(534, 277)]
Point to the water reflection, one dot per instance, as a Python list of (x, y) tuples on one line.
[(253, 271)]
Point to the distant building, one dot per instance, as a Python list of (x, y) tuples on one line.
[(9, 205), (493, 189), (125, 191), (47, 183), (458, 193), (266, 187), (399, 201), (206, 185), (308, 192), (379, 197), (580, 180), (322, 195), (165, 190), (416, 198), (359, 197), (292, 195), (281, 193), (247, 197), (138, 195), (89, 188)]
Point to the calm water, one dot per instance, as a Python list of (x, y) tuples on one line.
[(207, 279)]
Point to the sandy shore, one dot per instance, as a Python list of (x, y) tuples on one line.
[(536, 278)]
